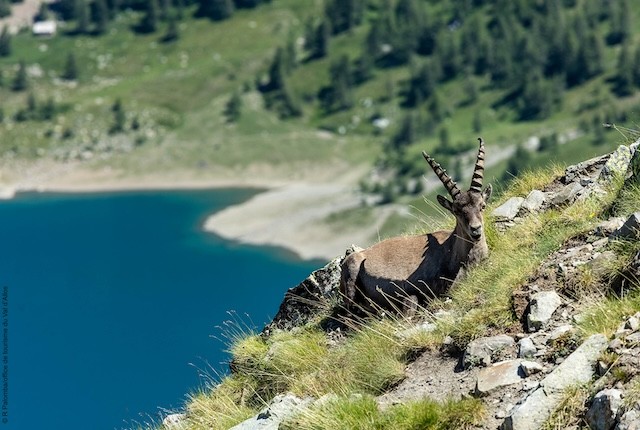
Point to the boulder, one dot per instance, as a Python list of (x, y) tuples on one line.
[(281, 407), (603, 412), (526, 348), (534, 201), (530, 368), (481, 351), (541, 308), (617, 163), (630, 230), (630, 420), (498, 375), (301, 303), (567, 194), (577, 368), (508, 210)]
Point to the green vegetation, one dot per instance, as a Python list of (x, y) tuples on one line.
[(358, 82), (362, 413), (372, 356)]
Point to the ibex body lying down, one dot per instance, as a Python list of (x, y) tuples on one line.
[(399, 272)]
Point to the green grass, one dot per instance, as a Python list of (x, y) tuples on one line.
[(362, 413), (347, 374)]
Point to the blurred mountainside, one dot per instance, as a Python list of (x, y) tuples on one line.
[(281, 91)]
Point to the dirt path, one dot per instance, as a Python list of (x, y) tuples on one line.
[(21, 15)]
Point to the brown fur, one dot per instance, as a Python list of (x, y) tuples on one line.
[(399, 272)]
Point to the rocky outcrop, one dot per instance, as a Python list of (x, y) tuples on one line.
[(522, 377), (306, 300), (537, 407)]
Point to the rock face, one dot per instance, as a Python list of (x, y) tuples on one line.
[(541, 308), (301, 302), (281, 407), (604, 410), (577, 368)]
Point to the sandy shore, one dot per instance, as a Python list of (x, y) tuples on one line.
[(289, 213)]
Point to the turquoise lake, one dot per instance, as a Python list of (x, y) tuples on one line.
[(115, 300)]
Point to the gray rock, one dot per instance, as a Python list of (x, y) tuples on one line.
[(508, 210), (526, 348), (498, 375), (630, 420), (534, 201), (173, 421), (633, 339), (577, 368), (606, 227), (481, 351), (541, 308), (630, 230), (567, 194), (633, 323), (301, 303), (617, 163), (562, 331), (281, 407), (604, 410), (530, 367)]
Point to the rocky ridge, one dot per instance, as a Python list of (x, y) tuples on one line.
[(521, 376)]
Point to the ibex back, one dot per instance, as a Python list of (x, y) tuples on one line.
[(400, 272)]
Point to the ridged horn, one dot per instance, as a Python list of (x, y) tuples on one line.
[(442, 174), (478, 171)]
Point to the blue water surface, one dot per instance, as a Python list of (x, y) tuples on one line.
[(114, 299)]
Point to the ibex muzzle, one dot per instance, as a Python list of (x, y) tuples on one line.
[(400, 272)]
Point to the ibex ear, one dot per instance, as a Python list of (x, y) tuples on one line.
[(486, 194), (445, 203)]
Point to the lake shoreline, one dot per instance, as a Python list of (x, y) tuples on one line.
[(286, 213)]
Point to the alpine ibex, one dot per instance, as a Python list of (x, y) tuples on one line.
[(398, 272)]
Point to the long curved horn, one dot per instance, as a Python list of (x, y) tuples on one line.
[(478, 172), (442, 174)]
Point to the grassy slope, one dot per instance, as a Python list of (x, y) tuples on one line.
[(372, 358)]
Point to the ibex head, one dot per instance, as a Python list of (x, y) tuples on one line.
[(466, 206)]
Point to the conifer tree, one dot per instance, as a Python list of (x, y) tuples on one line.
[(621, 25), (172, 33), (624, 72), (48, 110), (20, 82), (70, 72), (100, 16), (246, 4), (5, 42), (290, 105), (119, 117), (149, 22), (82, 17), (277, 71), (216, 10), (5, 8), (233, 107), (636, 67)]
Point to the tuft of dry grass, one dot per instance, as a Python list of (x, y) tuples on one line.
[(569, 410)]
